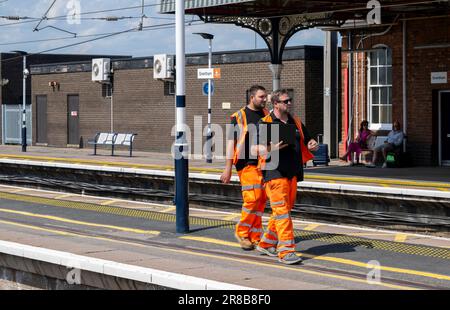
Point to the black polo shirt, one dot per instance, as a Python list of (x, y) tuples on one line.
[(253, 118), (290, 157)]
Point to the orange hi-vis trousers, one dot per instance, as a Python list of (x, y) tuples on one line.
[(254, 197), (282, 194)]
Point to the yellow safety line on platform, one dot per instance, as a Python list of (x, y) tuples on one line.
[(400, 237), (63, 196), (17, 190), (325, 178), (65, 220), (332, 259), (311, 227), (108, 202), (169, 209), (330, 238), (370, 234), (377, 180), (231, 217), (320, 274), (64, 233)]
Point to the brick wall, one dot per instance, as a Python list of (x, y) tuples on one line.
[(422, 122), (11, 66), (140, 104)]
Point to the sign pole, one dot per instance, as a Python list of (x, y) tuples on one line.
[(209, 135), (24, 106)]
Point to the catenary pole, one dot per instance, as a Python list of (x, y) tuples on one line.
[(180, 147)]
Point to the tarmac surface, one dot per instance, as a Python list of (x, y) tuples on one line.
[(143, 234)]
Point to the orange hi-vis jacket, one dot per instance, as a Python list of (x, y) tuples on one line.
[(241, 120), (306, 154)]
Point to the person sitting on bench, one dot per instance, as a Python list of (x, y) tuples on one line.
[(393, 142), (359, 144)]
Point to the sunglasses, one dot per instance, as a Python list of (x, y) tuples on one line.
[(286, 101)]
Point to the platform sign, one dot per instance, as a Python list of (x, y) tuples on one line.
[(439, 77), (205, 88), (213, 73)]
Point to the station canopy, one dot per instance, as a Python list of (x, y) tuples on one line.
[(276, 21), (336, 9)]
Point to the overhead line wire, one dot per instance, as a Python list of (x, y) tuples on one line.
[(146, 28)]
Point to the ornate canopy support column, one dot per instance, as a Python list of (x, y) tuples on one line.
[(276, 75), (276, 32)]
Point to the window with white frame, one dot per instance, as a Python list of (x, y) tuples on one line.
[(380, 88)]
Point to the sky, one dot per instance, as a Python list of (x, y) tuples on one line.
[(138, 43)]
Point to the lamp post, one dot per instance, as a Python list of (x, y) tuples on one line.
[(208, 37), (25, 74)]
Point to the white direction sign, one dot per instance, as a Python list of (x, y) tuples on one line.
[(208, 73), (439, 77)]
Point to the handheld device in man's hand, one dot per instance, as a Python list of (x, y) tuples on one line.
[(286, 133)]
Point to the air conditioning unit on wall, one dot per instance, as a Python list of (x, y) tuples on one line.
[(101, 69), (163, 66)]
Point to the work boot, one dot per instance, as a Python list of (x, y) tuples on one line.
[(267, 251), (245, 243), (290, 259)]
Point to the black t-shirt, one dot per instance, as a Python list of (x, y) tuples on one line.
[(289, 162), (245, 158)]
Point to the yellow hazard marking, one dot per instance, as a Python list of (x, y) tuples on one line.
[(249, 262), (325, 178), (231, 217), (17, 190), (376, 180), (400, 237), (64, 233), (384, 185), (334, 260), (311, 227), (63, 196), (155, 215), (369, 234), (211, 240), (64, 220), (169, 209), (108, 202), (443, 189)]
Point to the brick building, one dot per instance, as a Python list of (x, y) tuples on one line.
[(11, 78), (377, 92), (146, 106)]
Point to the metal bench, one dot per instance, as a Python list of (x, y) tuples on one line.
[(103, 138), (113, 139), (125, 139)]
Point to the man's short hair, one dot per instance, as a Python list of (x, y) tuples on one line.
[(277, 94), (252, 91)]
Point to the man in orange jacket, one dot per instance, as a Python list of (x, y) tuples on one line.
[(281, 178), (244, 122)]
